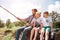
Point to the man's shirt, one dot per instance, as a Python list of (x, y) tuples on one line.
[(29, 19)]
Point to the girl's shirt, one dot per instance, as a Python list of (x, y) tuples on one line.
[(37, 20)]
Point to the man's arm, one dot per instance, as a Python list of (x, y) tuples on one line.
[(27, 24), (24, 20), (20, 19), (33, 24)]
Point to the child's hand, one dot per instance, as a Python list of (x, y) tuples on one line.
[(39, 30)]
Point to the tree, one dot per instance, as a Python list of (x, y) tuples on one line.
[(8, 22), (1, 23), (55, 16)]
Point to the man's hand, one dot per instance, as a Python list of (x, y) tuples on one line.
[(27, 24), (20, 19)]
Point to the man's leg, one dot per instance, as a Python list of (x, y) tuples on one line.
[(18, 32), (25, 31)]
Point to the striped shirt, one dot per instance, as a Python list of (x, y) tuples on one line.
[(29, 19)]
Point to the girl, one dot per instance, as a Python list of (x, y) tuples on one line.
[(36, 23)]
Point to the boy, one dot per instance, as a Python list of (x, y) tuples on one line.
[(46, 25), (36, 23)]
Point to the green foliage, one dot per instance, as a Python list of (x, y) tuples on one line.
[(8, 22), (8, 37), (22, 24), (11, 25), (17, 23), (54, 24), (55, 16), (58, 24)]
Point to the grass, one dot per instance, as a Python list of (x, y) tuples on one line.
[(8, 36)]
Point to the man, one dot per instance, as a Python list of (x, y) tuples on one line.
[(25, 28)]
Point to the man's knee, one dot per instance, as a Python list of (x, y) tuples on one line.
[(28, 28), (17, 30)]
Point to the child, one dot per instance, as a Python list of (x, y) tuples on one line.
[(36, 23), (46, 26)]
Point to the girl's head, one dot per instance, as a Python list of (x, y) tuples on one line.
[(46, 14), (38, 14)]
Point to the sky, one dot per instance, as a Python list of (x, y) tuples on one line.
[(22, 8)]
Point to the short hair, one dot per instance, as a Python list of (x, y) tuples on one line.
[(46, 12), (38, 12), (35, 10)]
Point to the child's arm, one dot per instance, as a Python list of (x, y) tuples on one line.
[(51, 25), (34, 24), (41, 24)]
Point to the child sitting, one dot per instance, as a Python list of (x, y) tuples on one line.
[(46, 26), (36, 23)]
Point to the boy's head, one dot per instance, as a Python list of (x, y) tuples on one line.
[(38, 14), (46, 14)]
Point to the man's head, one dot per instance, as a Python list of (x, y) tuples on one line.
[(38, 14), (34, 11), (46, 14)]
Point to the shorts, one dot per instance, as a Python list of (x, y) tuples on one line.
[(37, 26), (46, 28)]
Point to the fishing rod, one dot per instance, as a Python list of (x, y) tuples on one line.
[(8, 11), (11, 14)]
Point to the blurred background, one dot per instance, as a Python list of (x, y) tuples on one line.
[(22, 8)]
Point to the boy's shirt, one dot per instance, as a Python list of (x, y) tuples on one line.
[(46, 21)]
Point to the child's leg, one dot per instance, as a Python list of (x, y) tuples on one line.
[(42, 33), (32, 33), (47, 33), (36, 32)]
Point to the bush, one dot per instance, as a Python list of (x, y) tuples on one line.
[(58, 24)]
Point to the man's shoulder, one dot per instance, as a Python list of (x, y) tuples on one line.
[(31, 16)]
